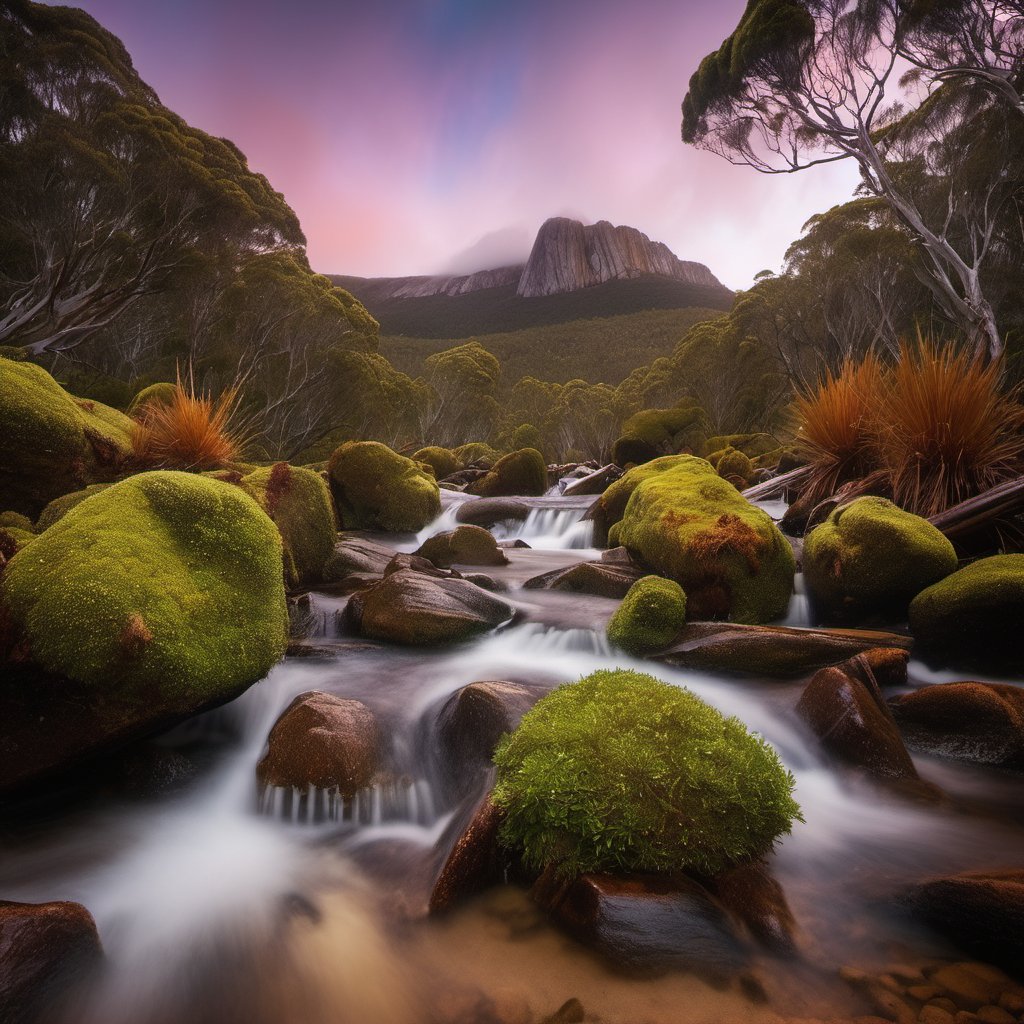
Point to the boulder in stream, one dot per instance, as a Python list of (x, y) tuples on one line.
[(488, 511), (475, 862), (465, 545), (601, 579), (594, 483), (523, 472), (357, 555), (650, 616)]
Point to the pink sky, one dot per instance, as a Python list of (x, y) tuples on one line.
[(404, 132)]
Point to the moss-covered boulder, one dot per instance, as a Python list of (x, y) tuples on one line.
[(622, 772), (677, 516), (869, 557), (158, 597), (51, 442), (59, 507), (476, 452), (442, 461), (300, 504), (973, 617), (12, 540), (650, 617), (523, 473), (751, 445), (375, 488), (733, 465), (161, 393), (651, 433), (16, 521)]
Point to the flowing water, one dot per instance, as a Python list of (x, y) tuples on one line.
[(219, 904)]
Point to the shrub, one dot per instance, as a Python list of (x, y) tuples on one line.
[(623, 772), (187, 431), (650, 616)]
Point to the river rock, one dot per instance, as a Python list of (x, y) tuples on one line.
[(410, 607), (475, 862), (357, 555), (44, 949), (594, 483), (601, 579), (488, 511), (772, 651), (980, 722), (646, 923), (755, 899), (323, 741), (982, 912), (416, 563), (845, 709), (465, 545)]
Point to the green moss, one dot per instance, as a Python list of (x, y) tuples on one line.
[(869, 556), (300, 504), (161, 393), (476, 451), (443, 461), (680, 518), (973, 617), (522, 473), (13, 539), (752, 445), (50, 442), (650, 433), (59, 506), (650, 617), (166, 585), (375, 488), (17, 521), (733, 463), (526, 435), (622, 772)]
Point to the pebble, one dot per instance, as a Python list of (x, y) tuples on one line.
[(1013, 1002), (922, 993), (971, 985), (944, 1003), (935, 1015), (892, 1005), (996, 1015)]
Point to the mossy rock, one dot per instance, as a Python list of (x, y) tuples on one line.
[(442, 461), (752, 445), (973, 617), (651, 433), (52, 443), (650, 617), (375, 488), (476, 452), (732, 463), (300, 504), (622, 772), (870, 557), (59, 507), (12, 540), (17, 521), (165, 589), (161, 393), (521, 473), (686, 523)]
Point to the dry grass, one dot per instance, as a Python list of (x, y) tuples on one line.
[(937, 426), (193, 431)]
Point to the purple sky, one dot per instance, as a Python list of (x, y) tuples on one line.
[(419, 137)]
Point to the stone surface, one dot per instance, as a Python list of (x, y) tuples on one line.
[(475, 861), (603, 579), (354, 554), (488, 511), (594, 483), (755, 899), (465, 545)]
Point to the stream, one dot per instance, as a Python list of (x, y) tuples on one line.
[(219, 904)]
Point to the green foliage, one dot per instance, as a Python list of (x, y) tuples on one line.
[(650, 616), (166, 582), (476, 451), (460, 386), (299, 503), (869, 556), (622, 772), (522, 473), (375, 488)]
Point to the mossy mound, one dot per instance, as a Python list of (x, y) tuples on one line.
[(442, 461), (732, 465), (12, 540), (685, 522), (375, 488), (752, 445), (59, 507), (165, 588), (651, 433), (869, 556), (973, 617), (526, 435), (17, 521), (650, 617), (300, 504), (622, 772), (523, 473), (51, 442), (161, 393), (476, 452)]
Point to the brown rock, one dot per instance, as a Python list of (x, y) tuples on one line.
[(980, 722), (995, 1015), (972, 985), (44, 949), (488, 511), (594, 483), (602, 579), (935, 1015), (465, 545), (357, 555), (755, 899), (323, 741), (475, 862)]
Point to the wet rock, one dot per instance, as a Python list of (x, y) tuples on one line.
[(475, 862), (646, 923), (488, 511), (44, 949), (973, 985), (323, 741), (594, 483), (601, 579), (464, 476), (982, 912), (845, 709), (357, 555), (481, 579), (466, 545), (147, 769), (417, 563), (772, 651), (979, 722), (409, 607), (755, 899)]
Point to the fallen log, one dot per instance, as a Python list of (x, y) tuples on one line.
[(770, 651), (1005, 499), (777, 484)]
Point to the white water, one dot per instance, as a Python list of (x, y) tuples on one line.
[(553, 529)]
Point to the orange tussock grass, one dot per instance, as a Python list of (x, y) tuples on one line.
[(835, 432), (945, 429), (193, 431)]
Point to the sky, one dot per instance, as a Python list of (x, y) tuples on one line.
[(435, 136)]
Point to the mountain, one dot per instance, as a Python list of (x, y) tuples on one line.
[(574, 271)]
